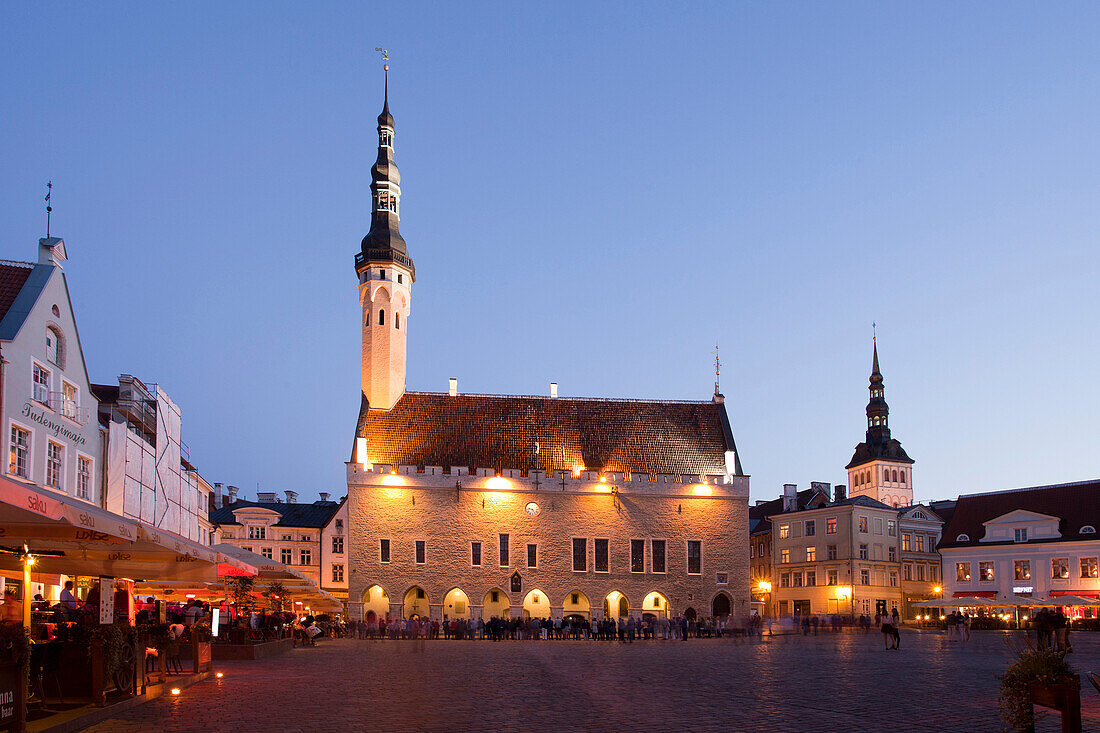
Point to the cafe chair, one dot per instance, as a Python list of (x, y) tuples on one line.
[(1094, 679)]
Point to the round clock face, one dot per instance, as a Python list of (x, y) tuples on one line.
[(532, 508)]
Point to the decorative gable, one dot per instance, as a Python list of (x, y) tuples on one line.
[(1021, 525)]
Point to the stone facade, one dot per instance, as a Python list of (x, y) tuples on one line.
[(449, 512)]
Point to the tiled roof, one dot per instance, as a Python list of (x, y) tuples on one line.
[(1076, 504), (888, 450), (525, 432), (314, 515), (13, 275)]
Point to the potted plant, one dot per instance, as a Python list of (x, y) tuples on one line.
[(1037, 677)]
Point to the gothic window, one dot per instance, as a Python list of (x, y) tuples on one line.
[(895, 476), (381, 318), (396, 320)]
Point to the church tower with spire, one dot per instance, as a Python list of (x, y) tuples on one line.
[(386, 275), (880, 468)]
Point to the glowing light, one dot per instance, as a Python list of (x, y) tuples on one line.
[(219, 675), (601, 488), (393, 479), (190, 595), (603, 479), (844, 591), (942, 617), (175, 690), (937, 589), (498, 483), (702, 490), (764, 586), (458, 593), (613, 595)]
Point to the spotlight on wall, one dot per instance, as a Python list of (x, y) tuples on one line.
[(175, 690)]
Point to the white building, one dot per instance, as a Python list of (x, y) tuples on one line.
[(1038, 541), (48, 407)]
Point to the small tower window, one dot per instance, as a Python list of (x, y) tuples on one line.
[(381, 274), (381, 318), (385, 137), (895, 476), (399, 277), (396, 320)]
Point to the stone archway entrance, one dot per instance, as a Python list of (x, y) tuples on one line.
[(536, 605), (416, 603), (655, 605), (689, 613), (456, 604), (720, 606), (376, 604), (576, 604), (615, 605), (495, 604)]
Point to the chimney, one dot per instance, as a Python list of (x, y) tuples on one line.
[(452, 390), (232, 494), (840, 492), (790, 497), (821, 487), (324, 496), (217, 496), (291, 496), (267, 497), (553, 389)]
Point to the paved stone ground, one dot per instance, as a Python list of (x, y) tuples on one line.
[(805, 684)]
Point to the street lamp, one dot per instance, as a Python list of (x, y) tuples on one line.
[(845, 592)]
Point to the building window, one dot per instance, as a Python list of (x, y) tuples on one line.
[(19, 451), (1021, 534), (830, 552), (893, 580), (657, 549), (919, 540), (305, 556), (1059, 567), (811, 527), (337, 545), (920, 572), (1088, 567), (811, 554), (752, 551), (381, 317), (963, 538), (305, 538), (985, 571), (863, 525), (962, 572), (285, 556), (893, 553), (54, 460), (637, 556), (602, 562), (580, 555), (68, 400), (796, 580), (933, 572), (863, 552), (475, 554), (784, 531), (287, 538), (503, 560), (247, 549), (532, 556), (830, 525), (891, 528), (266, 552), (399, 278), (907, 572), (257, 533), (905, 542), (784, 580), (878, 525), (54, 352), (811, 578), (337, 573), (830, 577), (339, 525), (421, 551), (784, 556), (695, 557), (397, 320), (1021, 569), (83, 477), (384, 550), (41, 385), (864, 577)]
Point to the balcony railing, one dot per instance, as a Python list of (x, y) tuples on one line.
[(65, 407)]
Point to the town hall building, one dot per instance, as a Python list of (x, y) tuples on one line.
[(475, 506)]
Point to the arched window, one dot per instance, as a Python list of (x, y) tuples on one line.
[(396, 320), (895, 505), (381, 317), (1088, 529), (55, 350), (895, 475), (963, 538)]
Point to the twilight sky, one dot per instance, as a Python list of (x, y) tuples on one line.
[(594, 193)]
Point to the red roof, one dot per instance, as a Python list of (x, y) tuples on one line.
[(1077, 505), (12, 277), (1083, 593), (524, 433)]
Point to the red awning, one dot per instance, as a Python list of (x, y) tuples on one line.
[(1082, 593), (225, 570), (975, 594)]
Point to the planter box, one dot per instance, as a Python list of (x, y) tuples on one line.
[(1065, 697), (252, 651)]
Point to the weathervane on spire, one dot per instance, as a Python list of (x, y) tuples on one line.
[(385, 57), (874, 331), (717, 369), (49, 209)]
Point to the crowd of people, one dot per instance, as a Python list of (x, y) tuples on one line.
[(624, 629)]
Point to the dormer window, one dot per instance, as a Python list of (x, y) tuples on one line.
[(1021, 534), (963, 538), (1088, 529)]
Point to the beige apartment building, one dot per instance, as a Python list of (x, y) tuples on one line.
[(920, 529)]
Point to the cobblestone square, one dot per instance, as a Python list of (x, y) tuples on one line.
[(786, 683)]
